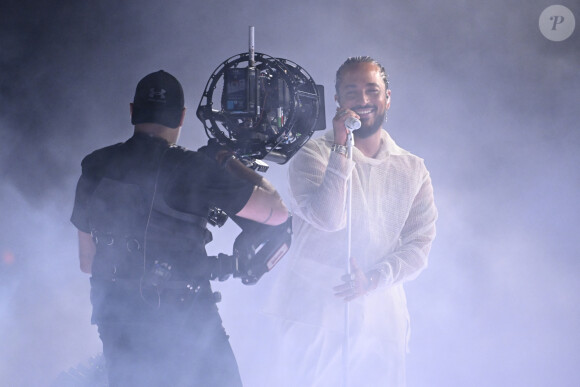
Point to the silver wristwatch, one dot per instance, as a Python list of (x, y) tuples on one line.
[(341, 149)]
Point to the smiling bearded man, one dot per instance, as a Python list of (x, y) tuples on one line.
[(393, 225)]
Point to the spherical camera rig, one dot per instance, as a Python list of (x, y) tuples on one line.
[(269, 107)]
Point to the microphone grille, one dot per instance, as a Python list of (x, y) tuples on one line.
[(352, 123)]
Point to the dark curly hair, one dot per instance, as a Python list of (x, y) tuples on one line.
[(356, 60)]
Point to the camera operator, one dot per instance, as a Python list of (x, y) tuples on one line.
[(141, 210)]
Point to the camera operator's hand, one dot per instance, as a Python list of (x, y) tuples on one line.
[(216, 151)]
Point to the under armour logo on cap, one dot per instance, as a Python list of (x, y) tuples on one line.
[(157, 96), (158, 99)]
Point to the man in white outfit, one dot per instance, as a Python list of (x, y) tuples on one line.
[(393, 226)]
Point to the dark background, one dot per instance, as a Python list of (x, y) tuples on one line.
[(477, 91)]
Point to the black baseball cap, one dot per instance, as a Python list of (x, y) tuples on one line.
[(158, 99)]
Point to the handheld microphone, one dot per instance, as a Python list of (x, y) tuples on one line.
[(352, 123)]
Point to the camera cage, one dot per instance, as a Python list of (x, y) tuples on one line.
[(278, 110)]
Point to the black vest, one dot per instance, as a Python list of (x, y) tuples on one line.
[(132, 225)]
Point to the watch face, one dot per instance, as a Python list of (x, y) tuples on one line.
[(339, 149)]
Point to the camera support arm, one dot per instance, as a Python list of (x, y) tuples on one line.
[(257, 249)]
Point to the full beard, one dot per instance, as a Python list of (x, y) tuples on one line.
[(368, 130)]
